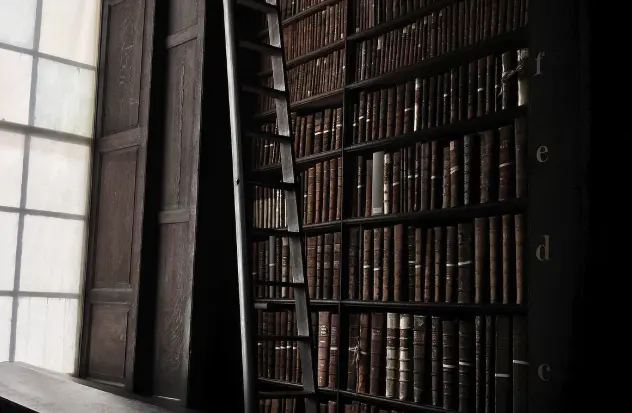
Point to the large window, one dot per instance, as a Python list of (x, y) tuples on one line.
[(48, 55)]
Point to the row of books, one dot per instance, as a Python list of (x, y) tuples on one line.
[(478, 168), (474, 363), (451, 28), (477, 261)]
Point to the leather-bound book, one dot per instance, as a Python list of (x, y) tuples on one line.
[(479, 373), (377, 344), (283, 348), (289, 352), (399, 289), (392, 349), (520, 369), (481, 79), (320, 240), (466, 366), (451, 270), (311, 266), (410, 269), (502, 371), (325, 192), (417, 261), (465, 263), (405, 357), (519, 261), (420, 367), (494, 260), (354, 262), (424, 178), (327, 267), (446, 178), (324, 338), (456, 174), (336, 266), (285, 274), (332, 407), (439, 264), (368, 204), (260, 368), (368, 262), (333, 189), (509, 79), (487, 145), (435, 175), (520, 133), (363, 353), (506, 154), (354, 337), (429, 266), (311, 188), (385, 294), (436, 359), (450, 364), (333, 350)]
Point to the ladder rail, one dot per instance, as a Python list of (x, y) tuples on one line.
[(297, 252), (249, 371)]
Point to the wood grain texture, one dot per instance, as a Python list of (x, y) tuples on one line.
[(24, 388), (118, 192)]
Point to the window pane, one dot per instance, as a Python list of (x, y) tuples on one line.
[(52, 252), (8, 243), (15, 86), (70, 29), (58, 176), (11, 156), (47, 332), (5, 327), (17, 22), (64, 98)]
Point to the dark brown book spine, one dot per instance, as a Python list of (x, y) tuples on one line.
[(354, 338), (466, 366), (419, 359), (450, 364), (465, 263), (405, 357), (436, 362), (392, 341), (333, 351), (323, 348), (377, 331), (363, 353)]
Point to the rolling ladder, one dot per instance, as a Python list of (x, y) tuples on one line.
[(244, 181)]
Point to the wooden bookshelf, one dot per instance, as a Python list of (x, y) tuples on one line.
[(500, 321)]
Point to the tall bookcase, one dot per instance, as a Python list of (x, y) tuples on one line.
[(449, 284)]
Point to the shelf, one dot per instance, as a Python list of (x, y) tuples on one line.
[(314, 54), (325, 100), (441, 133), (289, 385), (433, 308), (381, 401), (400, 21), (515, 39), (285, 303)]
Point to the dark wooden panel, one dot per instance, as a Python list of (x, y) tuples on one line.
[(117, 185), (108, 338), (124, 48), (178, 138), (173, 297), (182, 14), (118, 191)]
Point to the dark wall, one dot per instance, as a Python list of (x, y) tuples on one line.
[(215, 361)]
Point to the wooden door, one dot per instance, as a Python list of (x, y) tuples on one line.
[(118, 188), (182, 51)]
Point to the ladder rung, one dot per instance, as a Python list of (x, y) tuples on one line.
[(270, 232), (264, 91), (275, 137), (285, 394), (258, 5), (261, 47), (275, 337)]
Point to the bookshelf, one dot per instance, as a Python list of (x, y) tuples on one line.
[(423, 277)]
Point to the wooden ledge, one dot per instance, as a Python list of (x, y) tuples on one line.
[(24, 388)]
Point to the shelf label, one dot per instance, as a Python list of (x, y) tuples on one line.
[(544, 372), (542, 251)]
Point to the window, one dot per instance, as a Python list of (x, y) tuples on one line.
[(48, 56)]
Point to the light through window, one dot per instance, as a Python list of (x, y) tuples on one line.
[(48, 57)]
